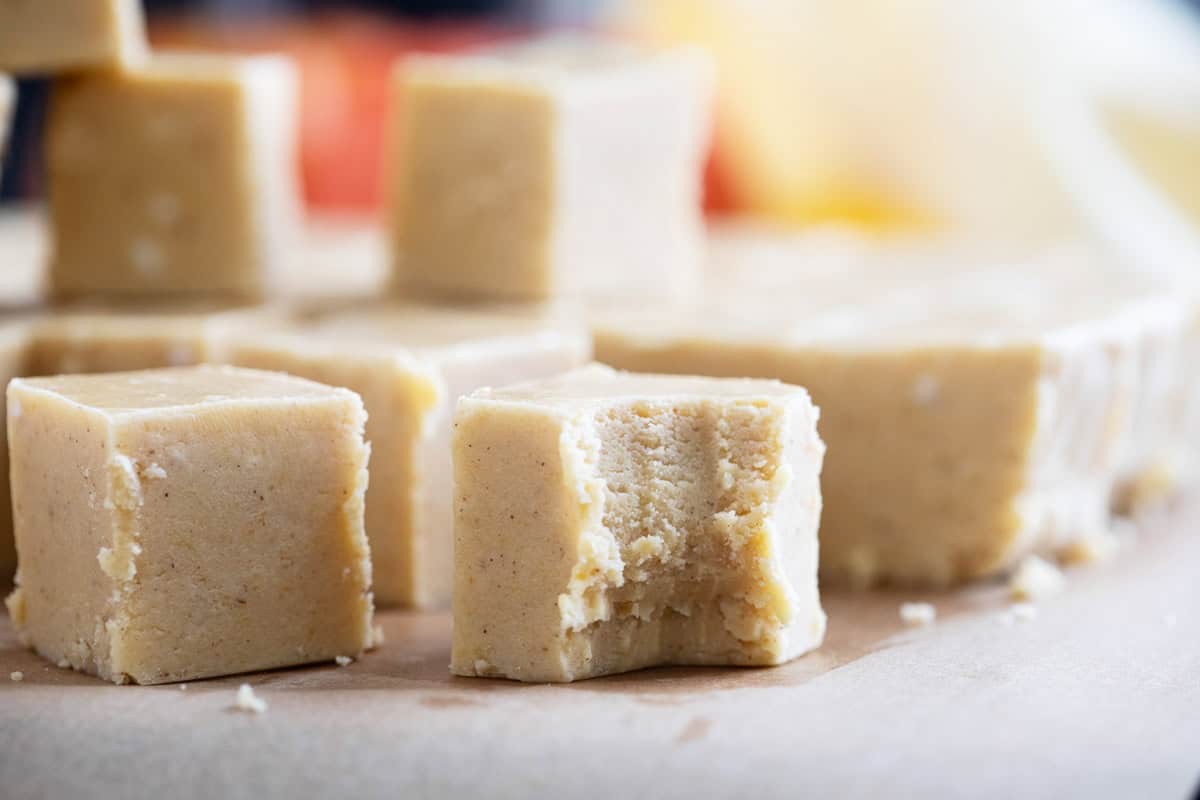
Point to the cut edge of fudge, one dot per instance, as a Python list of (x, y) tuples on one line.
[(700, 576)]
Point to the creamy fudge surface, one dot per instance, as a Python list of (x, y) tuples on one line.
[(973, 414), (202, 148), (187, 523), (139, 392), (607, 522), (410, 363), (51, 36), (503, 162)]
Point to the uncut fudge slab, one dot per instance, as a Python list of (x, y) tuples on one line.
[(410, 365), (972, 415), (201, 152), (561, 166), (118, 339), (606, 522), (14, 346), (185, 523), (53, 36)]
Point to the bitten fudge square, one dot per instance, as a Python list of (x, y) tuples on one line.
[(185, 523), (564, 165), (177, 177), (606, 522)]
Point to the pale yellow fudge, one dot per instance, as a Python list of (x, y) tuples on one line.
[(54, 36), (122, 338), (14, 351), (410, 364), (973, 414), (8, 99), (185, 523), (606, 522), (176, 177), (562, 166)]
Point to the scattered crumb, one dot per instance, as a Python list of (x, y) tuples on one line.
[(183, 687), (1023, 612), (377, 637), (343, 661), (63, 664), (1035, 578), (1018, 612), (1092, 549), (247, 700), (1170, 620), (918, 614), (482, 667), (17, 676)]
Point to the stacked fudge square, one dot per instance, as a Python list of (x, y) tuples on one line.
[(582, 521)]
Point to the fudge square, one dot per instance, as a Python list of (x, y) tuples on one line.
[(175, 177), (410, 364), (51, 36), (606, 522), (560, 166), (185, 523)]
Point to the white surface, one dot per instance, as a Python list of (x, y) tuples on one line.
[(1099, 696)]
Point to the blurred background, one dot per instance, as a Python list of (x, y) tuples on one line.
[(1015, 119)]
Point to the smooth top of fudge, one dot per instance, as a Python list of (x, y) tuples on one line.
[(178, 388), (596, 385), (840, 292), (182, 66), (442, 326), (554, 61)]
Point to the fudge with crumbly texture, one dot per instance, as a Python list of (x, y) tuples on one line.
[(186, 523), (177, 177), (410, 363), (606, 522)]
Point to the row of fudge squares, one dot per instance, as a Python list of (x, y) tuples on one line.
[(174, 173), (972, 418), (192, 522), (409, 363)]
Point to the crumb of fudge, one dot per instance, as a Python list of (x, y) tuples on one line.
[(343, 661), (918, 614), (1035, 578), (1018, 612), (1092, 549), (247, 700), (63, 664), (183, 687), (17, 676)]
